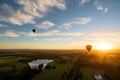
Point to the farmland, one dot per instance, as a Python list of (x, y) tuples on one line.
[(68, 64)]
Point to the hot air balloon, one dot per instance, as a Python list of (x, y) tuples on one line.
[(33, 30), (88, 47)]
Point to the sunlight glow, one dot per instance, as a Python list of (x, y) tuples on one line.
[(103, 46)]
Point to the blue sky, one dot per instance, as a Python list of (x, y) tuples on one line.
[(59, 24)]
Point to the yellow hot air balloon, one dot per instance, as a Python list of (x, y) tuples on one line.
[(88, 47)]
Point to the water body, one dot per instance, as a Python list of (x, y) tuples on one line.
[(35, 64)]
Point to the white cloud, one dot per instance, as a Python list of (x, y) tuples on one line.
[(36, 39), (49, 33), (96, 37), (45, 25), (10, 33), (53, 33), (106, 10), (82, 2), (76, 21), (21, 18), (29, 10), (99, 36), (14, 17), (100, 7), (1, 25), (104, 35), (39, 7), (31, 34), (57, 39), (73, 34)]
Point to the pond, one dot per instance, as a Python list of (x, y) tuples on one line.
[(35, 64)]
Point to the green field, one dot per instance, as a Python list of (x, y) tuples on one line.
[(87, 73), (54, 74), (72, 63)]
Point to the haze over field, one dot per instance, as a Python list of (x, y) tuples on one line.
[(59, 24)]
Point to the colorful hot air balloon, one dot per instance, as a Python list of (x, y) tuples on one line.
[(88, 47)]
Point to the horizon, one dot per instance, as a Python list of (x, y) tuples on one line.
[(63, 49)]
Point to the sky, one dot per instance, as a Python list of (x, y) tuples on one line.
[(59, 24)]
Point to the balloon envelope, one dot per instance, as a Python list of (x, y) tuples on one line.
[(88, 47), (33, 30)]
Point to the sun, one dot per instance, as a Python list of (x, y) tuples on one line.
[(103, 46)]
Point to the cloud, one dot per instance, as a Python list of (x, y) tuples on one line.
[(45, 25), (95, 37), (31, 34), (49, 33), (82, 2), (53, 33), (10, 33), (28, 10), (76, 21), (56, 39), (73, 34), (1, 25), (104, 35), (36, 39), (8, 14), (39, 7), (98, 36), (21, 18), (100, 7)]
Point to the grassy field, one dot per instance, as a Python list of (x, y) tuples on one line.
[(10, 66), (87, 73), (54, 74), (14, 64)]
